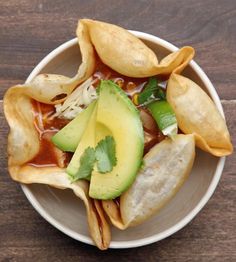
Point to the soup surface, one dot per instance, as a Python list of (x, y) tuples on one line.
[(47, 125)]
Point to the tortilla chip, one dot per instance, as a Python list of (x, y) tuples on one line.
[(128, 55), (197, 114), (23, 139), (166, 167), (113, 212)]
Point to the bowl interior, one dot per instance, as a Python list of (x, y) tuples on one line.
[(63, 209)]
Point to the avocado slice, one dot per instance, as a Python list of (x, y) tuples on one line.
[(88, 139), (67, 139), (117, 115)]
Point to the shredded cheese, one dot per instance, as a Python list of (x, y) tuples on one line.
[(77, 101)]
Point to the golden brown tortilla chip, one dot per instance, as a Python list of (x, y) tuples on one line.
[(128, 55), (112, 209), (166, 167), (23, 140), (197, 114)]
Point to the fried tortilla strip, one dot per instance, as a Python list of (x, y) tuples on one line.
[(128, 55), (112, 209), (23, 139), (166, 167), (104, 234), (197, 114), (56, 177)]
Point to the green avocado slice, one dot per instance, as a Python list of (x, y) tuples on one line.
[(88, 139), (67, 139), (117, 116)]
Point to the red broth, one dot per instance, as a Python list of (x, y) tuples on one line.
[(47, 127)]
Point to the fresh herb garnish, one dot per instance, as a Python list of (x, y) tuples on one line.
[(151, 92), (160, 94), (105, 153), (87, 161), (154, 98)]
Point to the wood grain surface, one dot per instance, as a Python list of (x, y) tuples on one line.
[(31, 29)]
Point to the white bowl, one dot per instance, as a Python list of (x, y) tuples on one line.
[(66, 212)]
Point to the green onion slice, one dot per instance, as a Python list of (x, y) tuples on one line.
[(165, 117)]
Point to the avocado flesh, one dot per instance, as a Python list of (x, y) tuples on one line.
[(67, 139), (117, 115), (88, 139)]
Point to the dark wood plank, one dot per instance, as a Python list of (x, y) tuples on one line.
[(210, 236), (30, 29)]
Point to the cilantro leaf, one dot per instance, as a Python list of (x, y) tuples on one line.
[(87, 161), (151, 92), (160, 94), (105, 153), (148, 90)]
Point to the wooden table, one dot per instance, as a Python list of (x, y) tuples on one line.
[(31, 29)]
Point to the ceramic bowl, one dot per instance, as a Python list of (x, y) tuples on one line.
[(66, 212)]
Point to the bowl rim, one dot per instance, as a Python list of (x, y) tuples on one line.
[(184, 221)]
